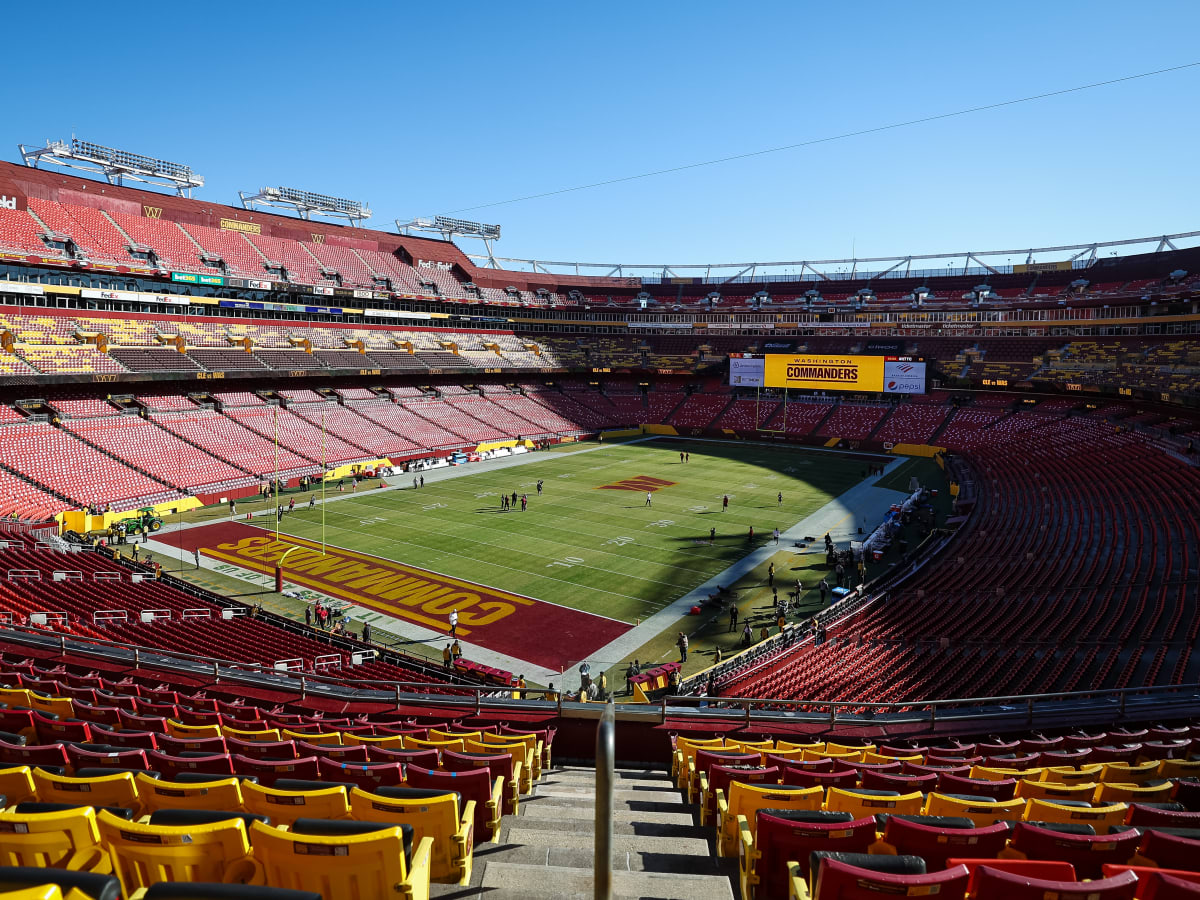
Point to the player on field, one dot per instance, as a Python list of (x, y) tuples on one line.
[(779, 498), (725, 503), (539, 487), (648, 497)]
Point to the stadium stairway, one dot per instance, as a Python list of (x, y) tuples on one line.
[(546, 850)]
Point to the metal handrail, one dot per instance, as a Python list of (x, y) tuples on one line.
[(605, 756)]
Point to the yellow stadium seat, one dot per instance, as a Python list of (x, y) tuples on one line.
[(746, 799), (1099, 817), (831, 748), (285, 807), (58, 706), (1073, 775), (1053, 790), (16, 785), (1179, 768), (876, 758), (105, 790), (68, 839), (15, 697), (384, 741), (979, 810), (529, 740), (437, 734), (412, 743), (1114, 792), (45, 892), (266, 736), (864, 803), (222, 795), (321, 739), (143, 855), (188, 732), (749, 746), (350, 867), (685, 752), (818, 746), (993, 773), (796, 754), (522, 757), (452, 829), (1125, 773), (844, 756)]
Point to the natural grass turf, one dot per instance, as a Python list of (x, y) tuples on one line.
[(602, 551)]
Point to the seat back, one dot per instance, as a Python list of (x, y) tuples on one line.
[(143, 855), (1115, 792), (270, 771), (1028, 789), (368, 866), (781, 838), (1088, 853), (863, 803), (16, 784), (977, 787), (438, 817), (979, 810), (412, 743), (1099, 817), (474, 784), (996, 884), (1169, 851), (224, 795), (935, 843), (840, 778), (285, 807), (67, 839), (107, 790), (367, 776), (837, 880), (321, 738)]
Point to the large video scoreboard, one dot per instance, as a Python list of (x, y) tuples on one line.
[(807, 372)]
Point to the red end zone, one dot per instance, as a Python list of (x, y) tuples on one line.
[(540, 633)]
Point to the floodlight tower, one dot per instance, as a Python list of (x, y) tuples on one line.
[(448, 228), (305, 203), (115, 165)]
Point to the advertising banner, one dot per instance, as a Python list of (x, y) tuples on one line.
[(824, 373), (746, 372), (904, 377)]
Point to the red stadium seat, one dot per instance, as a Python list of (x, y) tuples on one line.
[(994, 884), (935, 839), (792, 835), (843, 880), (1087, 853)]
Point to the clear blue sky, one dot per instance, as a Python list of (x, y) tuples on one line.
[(423, 108)]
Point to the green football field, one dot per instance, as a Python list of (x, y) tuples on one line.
[(581, 544)]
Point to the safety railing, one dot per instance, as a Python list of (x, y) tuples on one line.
[(1093, 707), (605, 773)]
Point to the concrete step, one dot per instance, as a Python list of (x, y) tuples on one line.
[(624, 807), (502, 881), (579, 858), (567, 813), (637, 792), (684, 828), (622, 843)]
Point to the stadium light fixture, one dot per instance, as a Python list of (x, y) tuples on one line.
[(449, 228), (115, 165), (305, 203)]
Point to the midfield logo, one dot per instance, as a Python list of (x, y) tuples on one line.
[(640, 483)]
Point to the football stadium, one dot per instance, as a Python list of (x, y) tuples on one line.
[(471, 576)]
